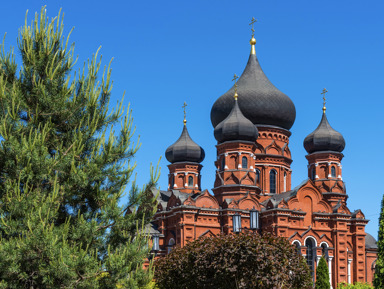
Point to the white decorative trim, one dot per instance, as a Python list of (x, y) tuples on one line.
[(330, 269), (296, 241), (313, 238), (349, 271), (270, 165)]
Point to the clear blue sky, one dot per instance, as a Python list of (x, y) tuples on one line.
[(168, 52)]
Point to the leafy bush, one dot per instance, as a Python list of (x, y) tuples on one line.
[(246, 260), (357, 285)]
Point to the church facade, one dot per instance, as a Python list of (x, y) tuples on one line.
[(252, 188)]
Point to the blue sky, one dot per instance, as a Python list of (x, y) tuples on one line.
[(168, 52)]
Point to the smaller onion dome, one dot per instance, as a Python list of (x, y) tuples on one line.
[(236, 127), (324, 138), (185, 149)]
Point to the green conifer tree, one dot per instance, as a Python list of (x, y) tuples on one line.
[(379, 271), (322, 275), (63, 171)]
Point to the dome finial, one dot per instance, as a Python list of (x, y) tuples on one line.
[(185, 113), (253, 40), (235, 77), (324, 100)]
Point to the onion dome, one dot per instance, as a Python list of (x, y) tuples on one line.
[(236, 127), (261, 102), (185, 149), (324, 138)]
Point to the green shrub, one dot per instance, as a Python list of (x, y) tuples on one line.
[(357, 285), (322, 275), (246, 260)]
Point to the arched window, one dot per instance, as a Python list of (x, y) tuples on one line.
[(324, 249), (285, 181), (223, 163), (190, 181), (244, 163), (298, 247), (313, 174), (171, 243), (257, 177), (333, 172), (310, 244), (272, 181)]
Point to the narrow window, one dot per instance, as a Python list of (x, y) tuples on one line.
[(285, 181), (272, 182), (310, 255), (257, 177), (313, 174), (298, 247), (223, 163), (244, 163), (172, 181), (190, 181), (171, 243), (333, 172), (324, 250)]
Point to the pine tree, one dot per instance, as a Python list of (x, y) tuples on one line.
[(378, 282), (322, 275), (63, 171)]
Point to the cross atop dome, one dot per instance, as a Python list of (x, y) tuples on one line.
[(324, 100), (253, 40), (235, 77), (185, 113)]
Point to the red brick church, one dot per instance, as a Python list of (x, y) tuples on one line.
[(252, 189)]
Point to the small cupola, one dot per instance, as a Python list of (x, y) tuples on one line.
[(185, 149), (236, 127), (324, 137)]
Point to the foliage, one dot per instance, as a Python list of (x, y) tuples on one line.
[(246, 260), (357, 285), (379, 270), (63, 171), (322, 275)]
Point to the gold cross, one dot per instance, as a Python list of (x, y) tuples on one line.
[(324, 100), (235, 77), (185, 113), (253, 21)]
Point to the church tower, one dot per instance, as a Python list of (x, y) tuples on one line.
[(185, 157), (324, 146), (273, 113), (235, 172)]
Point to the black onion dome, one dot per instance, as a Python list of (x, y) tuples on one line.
[(261, 102), (236, 127), (324, 138), (185, 150)]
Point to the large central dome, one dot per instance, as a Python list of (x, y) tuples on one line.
[(261, 102)]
